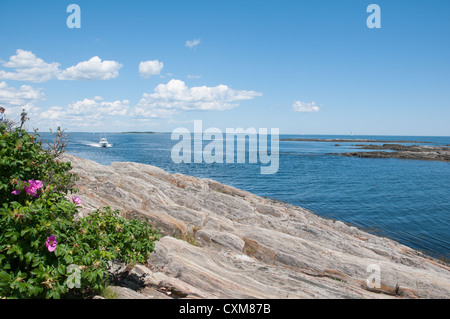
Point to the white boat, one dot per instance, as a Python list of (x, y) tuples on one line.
[(103, 142)]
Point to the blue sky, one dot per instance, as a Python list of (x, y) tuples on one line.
[(311, 67)]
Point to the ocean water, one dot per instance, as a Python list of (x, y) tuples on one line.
[(405, 200)]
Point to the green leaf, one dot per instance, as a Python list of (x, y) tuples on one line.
[(29, 257), (24, 232), (5, 278), (68, 259), (61, 270)]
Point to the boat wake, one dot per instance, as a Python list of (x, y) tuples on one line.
[(92, 144)]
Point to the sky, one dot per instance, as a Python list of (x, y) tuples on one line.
[(305, 67)]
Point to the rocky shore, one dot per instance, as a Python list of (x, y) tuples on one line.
[(418, 152), (222, 242), (344, 140)]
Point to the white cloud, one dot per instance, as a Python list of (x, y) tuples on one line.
[(175, 95), (299, 106), (116, 108), (17, 99), (29, 68), (53, 113), (193, 43), (97, 106), (149, 68), (82, 107), (191, 76), (10, 96), (147, 111), (94, 69), (87, 113)]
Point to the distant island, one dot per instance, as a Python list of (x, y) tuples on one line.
[(417, 152), (343, 140), (394, 150), (140, 133)]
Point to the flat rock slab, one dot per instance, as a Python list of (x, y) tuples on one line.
[(416, 152), (221, 242)]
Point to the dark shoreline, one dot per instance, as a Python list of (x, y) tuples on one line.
[(140, 133), (347, 140), (416, 152)]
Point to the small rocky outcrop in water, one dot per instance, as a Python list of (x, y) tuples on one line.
[(222, 242), (429, 153), (346, 140)]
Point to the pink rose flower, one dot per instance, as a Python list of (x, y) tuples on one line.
[(77, 200), (31, 189), (51, 243), (35, 185)]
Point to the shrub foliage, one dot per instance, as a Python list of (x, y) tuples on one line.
[(45, 251)]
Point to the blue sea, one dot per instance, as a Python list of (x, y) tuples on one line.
[(405, 200)]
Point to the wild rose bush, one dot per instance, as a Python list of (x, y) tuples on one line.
[(45, 252)]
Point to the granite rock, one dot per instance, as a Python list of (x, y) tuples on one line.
[(222, 242)]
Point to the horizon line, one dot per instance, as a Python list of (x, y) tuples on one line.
[(297, 134)]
